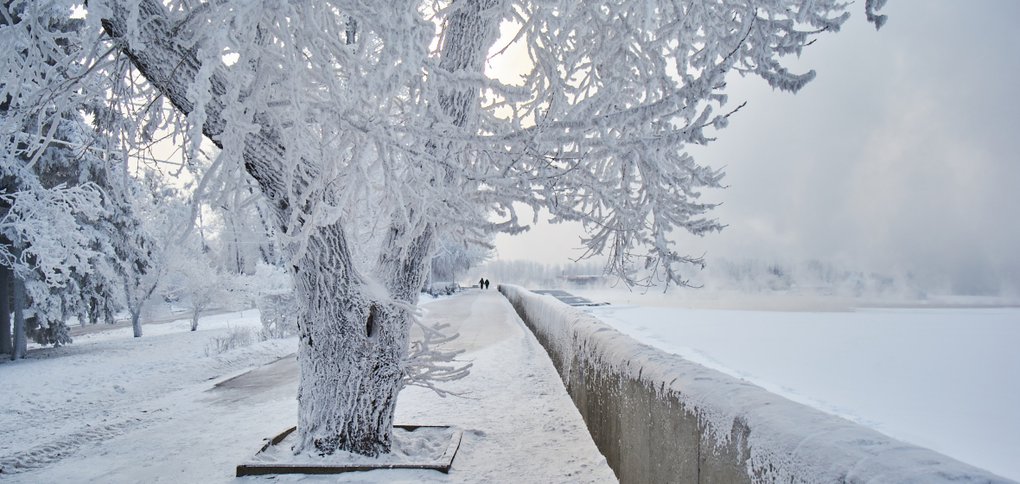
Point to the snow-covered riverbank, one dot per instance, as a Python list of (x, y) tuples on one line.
[(942, 378)]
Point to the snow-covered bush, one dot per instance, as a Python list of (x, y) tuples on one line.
[(443, 288), (236, 337)]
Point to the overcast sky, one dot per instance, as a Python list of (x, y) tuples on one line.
[(902, 155)]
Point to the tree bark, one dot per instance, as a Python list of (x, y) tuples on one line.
[(20, 336), (6, 343), (136, 322), (351, 353)]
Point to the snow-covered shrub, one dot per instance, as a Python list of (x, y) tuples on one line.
[(235, 338), (444, 288), (267, 279)]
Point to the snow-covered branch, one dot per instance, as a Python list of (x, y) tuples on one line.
[(42, 226), (428, 365)]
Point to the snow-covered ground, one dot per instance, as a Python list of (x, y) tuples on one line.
[(111, 408), (946, 378)]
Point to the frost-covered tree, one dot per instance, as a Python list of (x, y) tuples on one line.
[(194, 277), (234, 221), (52, 212), (56, 182), (145, 257), (63, 218), (455, 255), (370, 126), (6, 342)]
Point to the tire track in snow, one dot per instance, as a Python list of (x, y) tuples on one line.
[(48, 427), (50, 452)]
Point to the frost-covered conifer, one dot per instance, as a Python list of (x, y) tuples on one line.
[(369, 127), (56, 185)]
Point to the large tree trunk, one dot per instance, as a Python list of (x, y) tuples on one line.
[(351, 353)]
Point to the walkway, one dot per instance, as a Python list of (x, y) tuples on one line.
[(519, 423)]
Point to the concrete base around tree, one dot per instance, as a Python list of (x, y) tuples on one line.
[(416, 447)]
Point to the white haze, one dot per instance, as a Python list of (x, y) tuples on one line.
[(900, 157)]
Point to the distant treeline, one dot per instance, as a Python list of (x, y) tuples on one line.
[(748, 276)]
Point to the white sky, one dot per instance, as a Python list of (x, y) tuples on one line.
[(902, 155)]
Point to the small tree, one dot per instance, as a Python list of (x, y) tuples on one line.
[(145, 259), (194, 277)]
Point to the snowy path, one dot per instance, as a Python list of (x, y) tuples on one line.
[(111, 408), (519, 423)]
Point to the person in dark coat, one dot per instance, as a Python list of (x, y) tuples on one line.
[(481, 283), (486, 283)]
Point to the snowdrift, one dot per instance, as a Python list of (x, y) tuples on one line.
[(660, 418)]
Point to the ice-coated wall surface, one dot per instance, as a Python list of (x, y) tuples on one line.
[(660, 418)]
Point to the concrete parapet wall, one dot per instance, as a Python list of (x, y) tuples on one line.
[(660, 418)]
